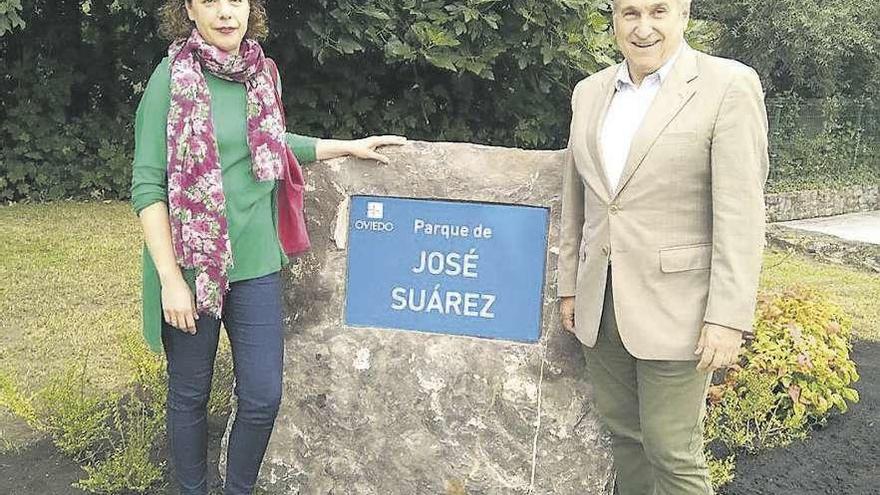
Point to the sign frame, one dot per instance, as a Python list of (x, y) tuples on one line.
[(537, 277)]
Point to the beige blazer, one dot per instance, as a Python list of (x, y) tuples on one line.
[(684, 231)]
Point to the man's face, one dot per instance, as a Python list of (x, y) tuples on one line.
[(649, 32)]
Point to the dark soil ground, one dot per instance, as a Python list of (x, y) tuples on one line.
[(842, 458), (41, 470)]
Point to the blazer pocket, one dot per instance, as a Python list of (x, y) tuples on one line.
[(684, 258), (676, 148), (677, 138)]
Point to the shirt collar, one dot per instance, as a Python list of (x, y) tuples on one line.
[(623, 78)]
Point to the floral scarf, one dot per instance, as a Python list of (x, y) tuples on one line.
[(196, 203)]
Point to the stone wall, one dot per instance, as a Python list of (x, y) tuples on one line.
[(797, 205), (370, 411)]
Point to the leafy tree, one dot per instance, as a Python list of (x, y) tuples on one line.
[(10, 16), (496, 72), (813, 48), (68, 81), (489, 71)]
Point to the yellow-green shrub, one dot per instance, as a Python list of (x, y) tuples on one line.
[(790, 377), (75, 417), (130, 467), (14, 400), (67, 409), (148, 378)]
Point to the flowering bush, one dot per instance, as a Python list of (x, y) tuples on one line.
[(792, 376)]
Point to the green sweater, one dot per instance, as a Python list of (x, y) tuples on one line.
[(250, 205)]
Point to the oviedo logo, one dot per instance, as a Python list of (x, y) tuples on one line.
[(375, 217), (375, 210)]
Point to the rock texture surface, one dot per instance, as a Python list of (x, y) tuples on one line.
[(828, 248), (371, 411)]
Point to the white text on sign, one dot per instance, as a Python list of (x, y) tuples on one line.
[(449, 231), (452, 264)]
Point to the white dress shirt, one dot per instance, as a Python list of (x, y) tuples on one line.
[(629, 105)]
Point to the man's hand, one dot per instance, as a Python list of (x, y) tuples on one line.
[(719, 346), (566, 312)]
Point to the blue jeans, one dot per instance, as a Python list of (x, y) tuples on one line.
[(252, 318)]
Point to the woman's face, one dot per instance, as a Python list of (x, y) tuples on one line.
[(222, 23)]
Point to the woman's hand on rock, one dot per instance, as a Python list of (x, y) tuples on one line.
[(366, 148)]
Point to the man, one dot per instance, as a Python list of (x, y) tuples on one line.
[(662, 235)]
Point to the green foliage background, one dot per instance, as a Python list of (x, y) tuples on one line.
[(488, 71), (819, 61), (496, 72), (811, 48)]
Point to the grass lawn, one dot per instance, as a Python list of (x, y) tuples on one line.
[(857, 292), (71, 290)]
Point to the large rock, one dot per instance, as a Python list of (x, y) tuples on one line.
[(371, 411)]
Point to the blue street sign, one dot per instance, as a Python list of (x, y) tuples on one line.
[(455, 268)]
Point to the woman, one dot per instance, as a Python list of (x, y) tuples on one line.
[(206, 199)]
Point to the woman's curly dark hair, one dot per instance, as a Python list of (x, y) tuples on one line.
[(174, 23)]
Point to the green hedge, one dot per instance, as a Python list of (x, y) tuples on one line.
[(468, 70), (823, 143), (490, 72)]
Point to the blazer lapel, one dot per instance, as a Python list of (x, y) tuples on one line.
[(596, 118), (673, 94)]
